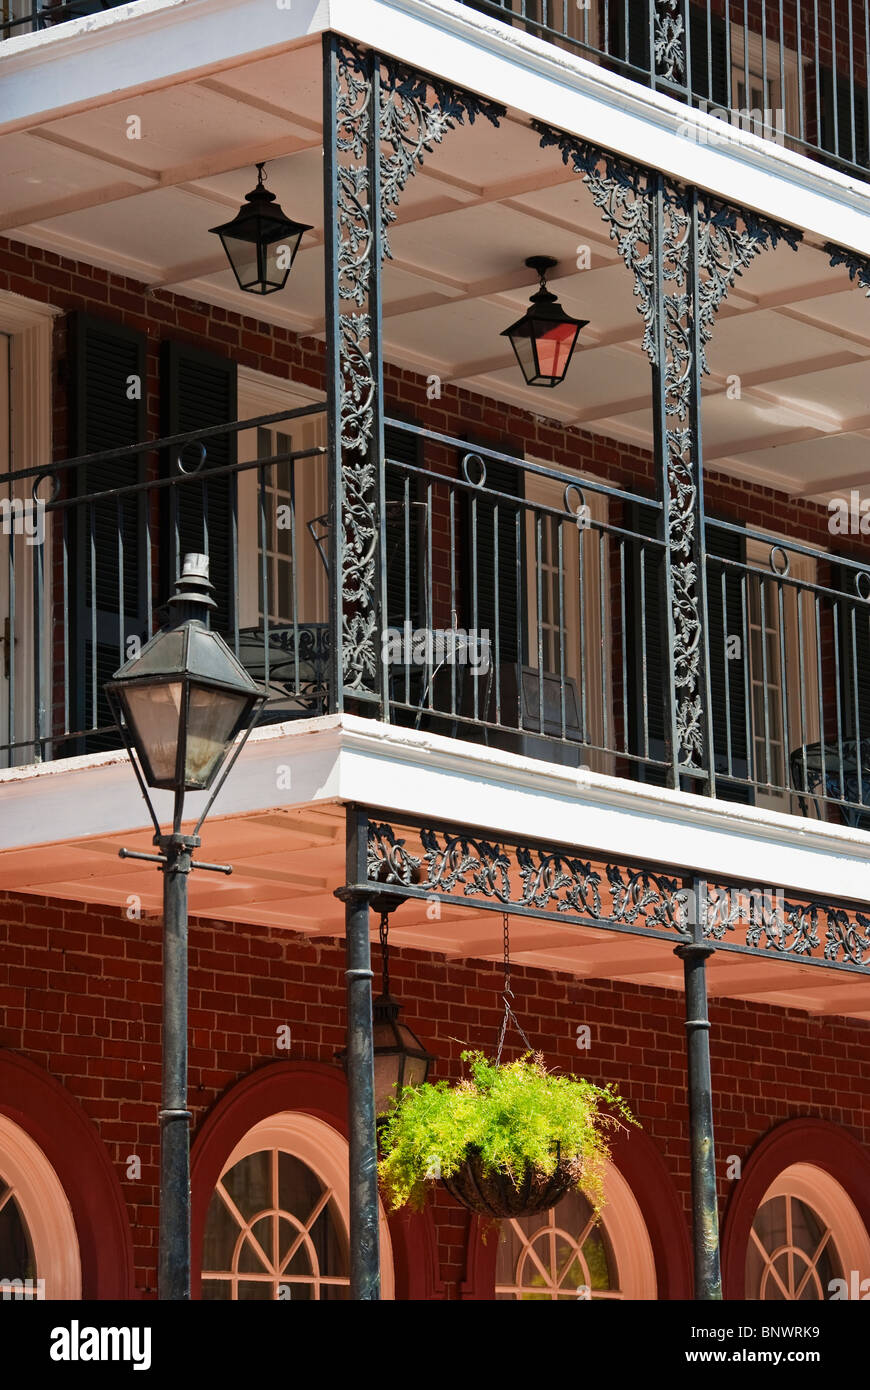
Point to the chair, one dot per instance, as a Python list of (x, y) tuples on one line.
[(298, 667)]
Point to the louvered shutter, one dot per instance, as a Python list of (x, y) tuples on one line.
[(837, 139), (624, 31), (646, 622), (403, 543), (727, 674), (709, 53), (853, 648), (628, 26), (108, 603), (198, 389)]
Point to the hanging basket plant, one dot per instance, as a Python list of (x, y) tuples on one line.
[(506, 1140)]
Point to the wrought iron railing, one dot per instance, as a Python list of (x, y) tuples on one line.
[(89, 549), (28, 16), (793, 71), (524, 608)]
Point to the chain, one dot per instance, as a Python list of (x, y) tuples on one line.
[(509, 1015), (383, 933)]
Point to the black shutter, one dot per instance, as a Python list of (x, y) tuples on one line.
[(853, 649), (404, 545), (838, 141), (624, 32), (628, 28), (646, 623), (198, 389), (480, 532), (709, 55), (727, 674), (106, 359)]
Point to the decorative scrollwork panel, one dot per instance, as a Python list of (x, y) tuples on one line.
[(385, 119)]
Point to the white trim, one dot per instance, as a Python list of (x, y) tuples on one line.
[(46, 1210), (17, 312), (326, 1152), (344, 758), (99, 59), (269, 393)]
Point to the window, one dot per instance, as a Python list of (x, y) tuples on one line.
[(25, 435), (565, 1255), (280, 549), (560, 1254), (792, 1255), (567, 617), (277, 1222), (807, 1235), (39, 1251), (274, 1231)]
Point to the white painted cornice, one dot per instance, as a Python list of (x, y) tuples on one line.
[(345, 759), (97, 58)]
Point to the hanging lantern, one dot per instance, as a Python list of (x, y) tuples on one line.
[(545, 337), (261, 242), (400, 1059)]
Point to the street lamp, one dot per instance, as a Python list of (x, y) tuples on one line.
[(261, 241), (184, 707), (545, 337)]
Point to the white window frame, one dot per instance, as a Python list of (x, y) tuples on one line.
[(627, 1235), (550, 492), (325, 1152), (45, 1210), (29, 327), (262, 394), (803, 569), (833, 1208)]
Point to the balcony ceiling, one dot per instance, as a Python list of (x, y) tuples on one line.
[(288, 862), (795, 331)]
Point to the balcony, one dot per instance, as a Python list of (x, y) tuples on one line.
[(32, 16), (525, 609), (769, 69)]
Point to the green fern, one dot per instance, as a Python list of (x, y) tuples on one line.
[(515, 1116)]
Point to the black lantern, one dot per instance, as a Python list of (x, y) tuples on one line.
[(545, 337), (400, 1057), (184, 697), (261, 242)]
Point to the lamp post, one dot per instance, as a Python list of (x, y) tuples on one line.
[(184, 707)]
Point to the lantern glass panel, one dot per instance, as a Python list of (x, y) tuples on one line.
[(554, 344), (524, 347), (242, 256), (213, 719), (154, 713), (387, 1066)]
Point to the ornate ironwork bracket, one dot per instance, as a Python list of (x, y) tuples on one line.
[(685, 251), (562, 884), (858, 266), (380, 120)]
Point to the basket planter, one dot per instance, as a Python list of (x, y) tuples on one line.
[(491, 1136), (496, 1194)]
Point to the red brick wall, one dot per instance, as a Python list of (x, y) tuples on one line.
[(80, 996), (46, 277)]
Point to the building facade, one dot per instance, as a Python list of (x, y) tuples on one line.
[(572, 682)]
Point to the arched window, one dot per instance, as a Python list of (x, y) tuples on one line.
[(566, 1254), (277, 1222), (39, 1252), (806, 1235)]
